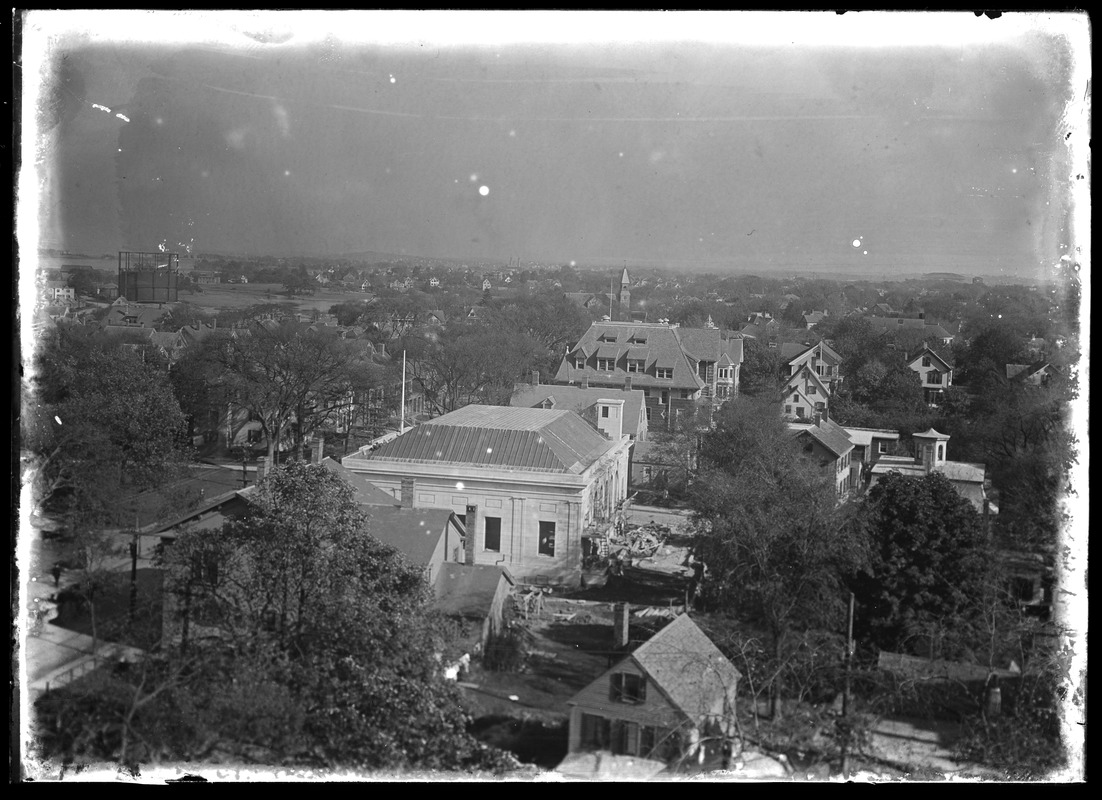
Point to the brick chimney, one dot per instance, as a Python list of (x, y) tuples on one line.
[(407, 492), (472, 526), (627, 383), (535, 378), (319, 449), (621, 627), (585, 381)]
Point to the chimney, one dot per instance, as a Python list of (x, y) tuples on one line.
[(585, 381), (319, 449), (535, 379), (472, 525), (627, 383), (407, 493), (621, 613)]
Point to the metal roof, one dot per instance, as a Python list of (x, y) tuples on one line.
[(575, 398), (544, 440)]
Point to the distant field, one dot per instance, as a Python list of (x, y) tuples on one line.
[(219, 297)]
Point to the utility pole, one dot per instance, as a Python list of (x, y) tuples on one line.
[(845, 692)]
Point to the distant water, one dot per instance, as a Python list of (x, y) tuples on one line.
[(109, 264)]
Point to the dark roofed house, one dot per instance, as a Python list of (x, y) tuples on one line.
[(892, 326), (675, 367), (660, 701), (828, 444), (1039, 373)]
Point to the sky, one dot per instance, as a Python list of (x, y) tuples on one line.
[(864, 143)]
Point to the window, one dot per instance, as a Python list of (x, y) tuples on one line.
[(579, 362), (626, 687), (637, 340), (941, 452), (933, 378), (635, 365), (788, 409), (663, 372), (596, 732), (604, 412), (684, 394), (648, 413), (625, 738), (606, 364), (664, 397), (800, 412), (491, 539), (723, 391), (725, 373), (547, 539), (882, 447), (926, 361), (812, 390)]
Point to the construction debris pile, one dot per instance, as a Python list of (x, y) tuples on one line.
[(637, 543)]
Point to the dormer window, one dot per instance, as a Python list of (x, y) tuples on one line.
[(663, 372), (579, 362), (637, 340), (606, 364), (636, 365), (926, 361)]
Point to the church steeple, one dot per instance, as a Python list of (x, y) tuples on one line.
[(625, 295)]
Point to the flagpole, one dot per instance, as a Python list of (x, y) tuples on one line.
[(402, 419)]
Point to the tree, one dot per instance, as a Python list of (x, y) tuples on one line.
[(292, 379), (101, 423), (759, 375), (304, 642), (769, 529), (551, 320), (928, 569)]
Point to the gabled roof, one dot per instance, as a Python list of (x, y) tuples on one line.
[(926, 351), (577, 399), (531, 439), (1023, 372), (365, 492), (414, 532), (820, 349), (468, 590), (830, 435), (805, 372), (687, 667), (891, 324), (663, 345)]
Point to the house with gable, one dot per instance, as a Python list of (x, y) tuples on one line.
[(532, 486), (675, 367), (1039, 373), (805, 395), (820, 357), (897, 327), (827, 444), (930, 455), (935, 373), (664, 700)]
